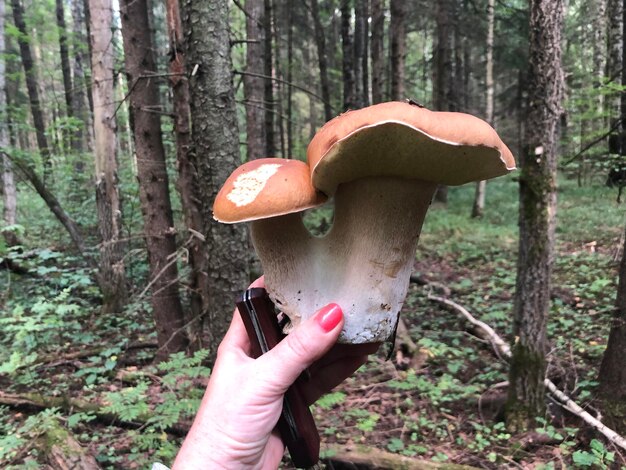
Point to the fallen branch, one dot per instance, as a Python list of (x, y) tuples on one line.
[(381, 459), (503, 350)]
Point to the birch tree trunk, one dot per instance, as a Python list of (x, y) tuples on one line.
[(152, 176), (216, 142), (188, 177), (111, 273), (254, 86), (537, 219), (481, 186), (378, 67)]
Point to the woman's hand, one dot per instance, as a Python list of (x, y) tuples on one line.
[(243, 401)]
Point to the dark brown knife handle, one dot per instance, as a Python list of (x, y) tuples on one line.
[(296, 424)]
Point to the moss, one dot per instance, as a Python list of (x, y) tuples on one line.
[(526, 400), (614, 410)]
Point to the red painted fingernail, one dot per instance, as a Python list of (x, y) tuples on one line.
[(329, 317)]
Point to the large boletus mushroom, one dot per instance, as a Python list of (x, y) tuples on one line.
[(382, 165)]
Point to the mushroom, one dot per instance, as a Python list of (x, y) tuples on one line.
[(381, 165)]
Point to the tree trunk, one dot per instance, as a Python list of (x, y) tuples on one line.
[(320, 41), (66, 72), (289, 81), (254, 86), (216, 142), (360, 42), (378, 65), (444, 68), (537, 219), (270, 144), (111, 273), (152, 175), (612, 377), (279, 86), (614, 56), (361, 37), (87, 14), (481, 186), (32, 86), (397, 35), (52, 202), (82, 83), (187, 176), (9, 192), (347, 48)]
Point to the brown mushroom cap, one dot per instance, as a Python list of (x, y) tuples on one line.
[(407, 141), (266, 188)]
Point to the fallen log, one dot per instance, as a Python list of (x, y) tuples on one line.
[(73, 405), (373, 457), (65, 453)]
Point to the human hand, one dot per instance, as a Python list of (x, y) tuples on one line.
[(234, 427)]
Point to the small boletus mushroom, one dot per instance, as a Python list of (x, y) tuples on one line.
[(382, 165)]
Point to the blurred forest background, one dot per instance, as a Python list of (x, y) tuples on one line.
[(119, 121)]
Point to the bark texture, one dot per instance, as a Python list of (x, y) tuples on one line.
[(82, 84), (187, 176), (361, 81), (254, 86), (378, 67), (32, 86), (614, 54), (612, 377), (153, 180), (111, 273), (268, 84), (66, 69), (320, 41), (397, 36), (347, 48), (537, 217), (9, 192), (216, 143), (444, 68)]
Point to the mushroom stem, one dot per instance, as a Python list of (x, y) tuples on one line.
[(363, 263)]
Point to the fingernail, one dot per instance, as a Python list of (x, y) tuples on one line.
[(329, 317)]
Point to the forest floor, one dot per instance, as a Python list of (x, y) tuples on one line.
[(70, 374)]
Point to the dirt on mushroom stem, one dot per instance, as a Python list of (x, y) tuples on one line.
[(363, 263)]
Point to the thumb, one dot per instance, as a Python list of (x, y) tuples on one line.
[(304, 345)]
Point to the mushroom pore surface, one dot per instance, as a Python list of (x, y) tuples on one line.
[(363, 263)]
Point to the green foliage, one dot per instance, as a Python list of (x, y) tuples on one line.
[(177, 397), (12, 440), (597, 456), (28, 330), (329, 400)]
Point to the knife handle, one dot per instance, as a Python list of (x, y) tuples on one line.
[(296, 424)]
